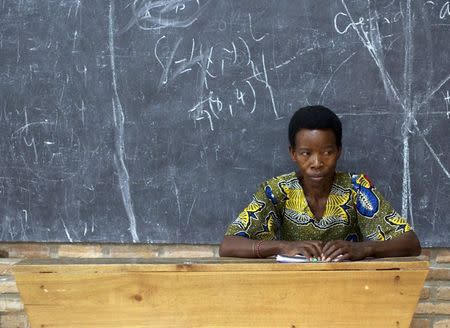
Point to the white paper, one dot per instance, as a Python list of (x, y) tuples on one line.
[(293, 259)]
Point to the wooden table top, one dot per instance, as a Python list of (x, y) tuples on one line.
[(212, 264)]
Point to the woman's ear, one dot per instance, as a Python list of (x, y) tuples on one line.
[(292, 153), (339, 152)]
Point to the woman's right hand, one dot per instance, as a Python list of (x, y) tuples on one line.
[(308, 248)]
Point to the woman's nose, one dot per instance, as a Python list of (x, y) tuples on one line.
[(316, 161)]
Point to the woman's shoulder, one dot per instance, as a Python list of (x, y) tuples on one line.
[(281, 179), (355, 180), (277, 188)]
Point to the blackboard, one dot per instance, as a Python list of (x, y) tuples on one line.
[(154, 121)]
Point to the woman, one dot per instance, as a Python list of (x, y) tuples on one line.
[(318, 212)]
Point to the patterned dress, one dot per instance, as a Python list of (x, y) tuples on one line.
[(354, 211)]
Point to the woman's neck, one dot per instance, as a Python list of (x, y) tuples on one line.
[(316, 190)]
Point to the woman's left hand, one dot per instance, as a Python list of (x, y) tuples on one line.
[(340, 250)]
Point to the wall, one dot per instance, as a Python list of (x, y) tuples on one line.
[(433, 310)]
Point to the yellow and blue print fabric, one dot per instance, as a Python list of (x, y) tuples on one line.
[(354, 211)]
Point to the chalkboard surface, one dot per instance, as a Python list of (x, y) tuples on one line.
[(154, 121)]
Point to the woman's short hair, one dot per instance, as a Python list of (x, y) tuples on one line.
[(315, 118)]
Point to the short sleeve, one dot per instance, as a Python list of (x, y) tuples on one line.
[(259, 220), (377, 219)]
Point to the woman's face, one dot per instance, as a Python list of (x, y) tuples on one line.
[(316, 154)]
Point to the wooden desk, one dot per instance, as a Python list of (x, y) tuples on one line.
[(219, 293)]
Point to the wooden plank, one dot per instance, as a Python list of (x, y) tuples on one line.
[(213, 264), (211, 296)]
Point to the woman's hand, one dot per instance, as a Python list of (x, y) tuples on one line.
[(309, 248), (340, 250)]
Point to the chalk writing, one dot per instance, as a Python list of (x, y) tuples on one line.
[(251, 29), (156, 14), (445, 10), (47, 150), (447, 103), (343, 21), (212, 63)]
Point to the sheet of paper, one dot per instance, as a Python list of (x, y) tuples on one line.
[(294, 259)]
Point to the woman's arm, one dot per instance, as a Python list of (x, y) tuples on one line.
[(387, 232), (236, 246), (407, 244)]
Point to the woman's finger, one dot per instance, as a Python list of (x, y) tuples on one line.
[(337, 252)]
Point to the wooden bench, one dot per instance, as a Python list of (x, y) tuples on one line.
[(219, 292)]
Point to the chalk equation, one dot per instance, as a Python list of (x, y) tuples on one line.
[(211, 63)]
